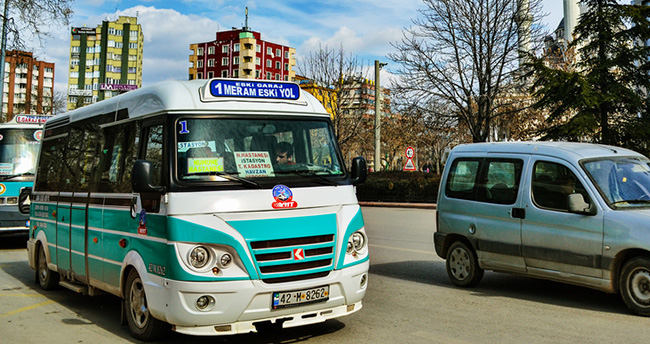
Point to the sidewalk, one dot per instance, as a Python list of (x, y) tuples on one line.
[(399, 205)]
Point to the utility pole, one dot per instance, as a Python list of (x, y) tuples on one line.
[(377, 162), (3, 115)]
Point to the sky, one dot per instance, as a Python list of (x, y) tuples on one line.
[(364, 28)]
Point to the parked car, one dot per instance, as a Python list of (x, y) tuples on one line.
[(571, 212)]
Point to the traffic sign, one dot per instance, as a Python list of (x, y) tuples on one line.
[(410, 153)]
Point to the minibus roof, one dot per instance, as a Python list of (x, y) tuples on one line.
[(201, 96), (566, 150)]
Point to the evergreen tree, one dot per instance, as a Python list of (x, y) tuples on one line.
[(606, 94)]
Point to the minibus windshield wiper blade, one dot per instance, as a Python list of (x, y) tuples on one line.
[(233, 177), (632, 201), (308, 173), (11, 176)]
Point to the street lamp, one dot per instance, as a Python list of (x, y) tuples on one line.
[(377, 163)]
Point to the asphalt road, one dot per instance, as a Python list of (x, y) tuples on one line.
[(409, 300)]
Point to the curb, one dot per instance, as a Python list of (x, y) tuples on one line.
[(399, 205)]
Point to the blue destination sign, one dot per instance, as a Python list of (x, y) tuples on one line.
[(254, 89)]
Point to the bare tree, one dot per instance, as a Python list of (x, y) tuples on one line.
[(466, 54), (34, 17), (59, 99), (339, 78)]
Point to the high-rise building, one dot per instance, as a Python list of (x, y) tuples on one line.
[(241, 53), (28, 85), (104, 61)]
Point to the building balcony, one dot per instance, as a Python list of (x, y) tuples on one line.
[(247, 66)]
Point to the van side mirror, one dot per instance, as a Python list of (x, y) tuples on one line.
[(578, 205), (24, 200), (142, 178), (359, 171)]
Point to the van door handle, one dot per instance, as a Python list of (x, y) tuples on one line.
[(518, 213)]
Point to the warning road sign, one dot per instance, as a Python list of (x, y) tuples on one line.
[(410, 153)]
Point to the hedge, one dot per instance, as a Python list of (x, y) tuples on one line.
[(398, 186)]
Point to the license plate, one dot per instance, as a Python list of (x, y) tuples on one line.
[(282, 299)]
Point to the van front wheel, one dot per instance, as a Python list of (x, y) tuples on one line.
[(635, 285), (142, 324), (462, 265)]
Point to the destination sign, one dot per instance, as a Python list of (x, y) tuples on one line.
[(254, 89)]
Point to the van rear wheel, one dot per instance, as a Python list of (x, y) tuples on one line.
[(142, 324), (462, 265), (635, 285)]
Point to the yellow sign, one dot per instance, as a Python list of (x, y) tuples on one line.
[(198, 165)]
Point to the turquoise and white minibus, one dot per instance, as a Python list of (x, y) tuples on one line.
[(172, 198), (20, 140)]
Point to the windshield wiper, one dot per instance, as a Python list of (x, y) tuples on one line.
[(233, 177), (308, 173), (11, 176), (633, 201)]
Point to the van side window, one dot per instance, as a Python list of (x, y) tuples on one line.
[(552, 183), (462, 178), (499, 182)]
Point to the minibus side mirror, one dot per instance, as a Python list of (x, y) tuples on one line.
[(359, 170), (24, 200), (578, 205), (142, 178)]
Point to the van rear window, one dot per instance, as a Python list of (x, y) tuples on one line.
[(462, 179)]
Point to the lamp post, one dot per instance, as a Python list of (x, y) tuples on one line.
[(377, 162), (3, 115)]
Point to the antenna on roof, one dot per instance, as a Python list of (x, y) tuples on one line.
[(246, 22)]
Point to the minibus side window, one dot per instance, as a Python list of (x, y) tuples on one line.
[(154, 151), (49, 165), (119, 152), (462, 178), (79, 158)]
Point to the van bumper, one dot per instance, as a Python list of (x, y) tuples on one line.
[(438, 243), (240, 305)]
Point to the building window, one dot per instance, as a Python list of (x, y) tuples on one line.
[(278, 53), (257, 74), (199, 63), (286, 78), (235, 60), (236, 47), (199, 75), (269, 51), (199, 51), (210, 50), (119, 45), (111, 30), (286, 66), (111, 44), (258, 61), (268, 75), (133, 45), (258, 48), (286, 54), (134, 35), (211, 63), (224, 73), (235, 73), (224, 61), (277, 65), (277, 76), (224, 48), (74, 49), (210, 75), (268, 63)]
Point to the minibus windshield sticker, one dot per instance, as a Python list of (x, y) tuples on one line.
[(183, 127), (283, 197), (6, 168), (257, 89), (183, 146), (199, 165), (254, 164)]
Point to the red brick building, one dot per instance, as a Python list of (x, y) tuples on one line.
[(29, 85), (241, 54)]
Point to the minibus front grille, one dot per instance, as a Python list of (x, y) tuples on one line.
[(294, 259)]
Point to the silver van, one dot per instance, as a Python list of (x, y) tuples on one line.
[(571, 212)]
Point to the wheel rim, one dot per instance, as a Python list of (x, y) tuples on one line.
[(459, 264), (42, 265), (138, 302), (639, 285)]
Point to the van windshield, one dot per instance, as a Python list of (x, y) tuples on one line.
[(623, 182), (219, 149)]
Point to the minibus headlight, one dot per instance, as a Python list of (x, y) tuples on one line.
[(199, 257), (350, 247), (225, 260), (359, 241)]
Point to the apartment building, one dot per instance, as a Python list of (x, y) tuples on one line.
[(104, 61), (28, 85)]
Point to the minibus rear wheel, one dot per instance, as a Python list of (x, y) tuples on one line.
[(46, 278), (462, 265), (635, 285), (142, 324)]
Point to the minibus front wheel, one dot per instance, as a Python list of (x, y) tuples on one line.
[(142, 324)]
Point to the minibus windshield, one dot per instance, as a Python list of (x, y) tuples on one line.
[(18, 152), (226, 149), (623, 182)]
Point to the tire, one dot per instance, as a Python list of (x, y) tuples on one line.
[(142, 324), (46, 278), (462, 265), (635, 285)]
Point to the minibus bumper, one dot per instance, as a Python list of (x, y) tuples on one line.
[(241, 305)]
